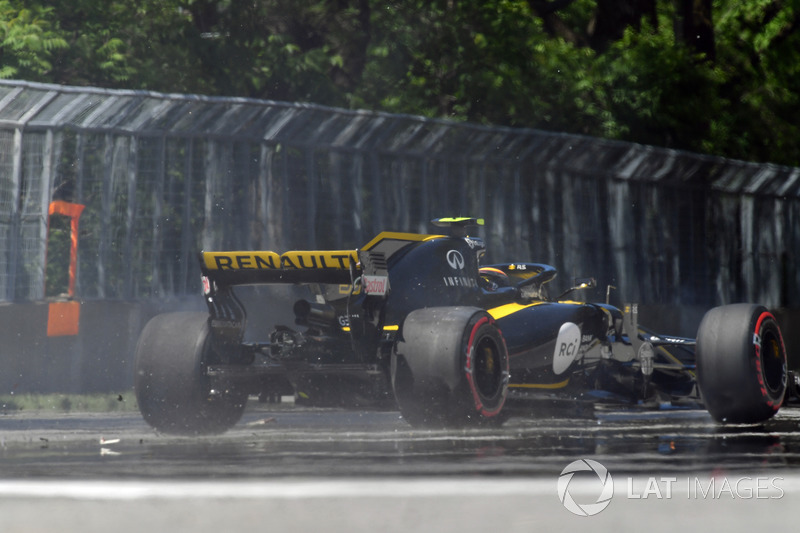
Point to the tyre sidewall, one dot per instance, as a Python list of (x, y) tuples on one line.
[(738, 384), (171, 383), (436, 368)]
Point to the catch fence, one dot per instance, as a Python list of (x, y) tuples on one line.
[(163, 176)]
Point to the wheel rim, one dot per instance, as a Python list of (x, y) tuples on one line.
[(773, 366), (488, 368)]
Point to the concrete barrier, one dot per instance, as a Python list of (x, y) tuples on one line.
[(98, 359)]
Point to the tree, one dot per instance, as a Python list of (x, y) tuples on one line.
[(714, 76), (759, 52), (279, 49)]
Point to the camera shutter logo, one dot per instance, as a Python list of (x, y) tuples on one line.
[(606, 492)]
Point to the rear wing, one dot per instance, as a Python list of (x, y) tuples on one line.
[(313, 266), (222, 270), (309, 266)]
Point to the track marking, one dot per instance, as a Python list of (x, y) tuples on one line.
[(285, 490)]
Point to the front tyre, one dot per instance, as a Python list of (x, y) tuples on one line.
[(741, 363), (450, 368), (172, 388)]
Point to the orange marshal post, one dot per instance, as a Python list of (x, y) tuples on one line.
[(63, 318)]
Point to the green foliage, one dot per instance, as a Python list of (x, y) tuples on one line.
[(669, 99), (531, 63), (136, 44), (497, 62), (77, 403), (487, 62), (27, 40), (759, 51)]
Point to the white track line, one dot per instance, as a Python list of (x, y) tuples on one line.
[(132, 490), (289, 489)]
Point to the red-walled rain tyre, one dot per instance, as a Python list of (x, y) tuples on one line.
[(450, 368), (172, 388), (741, 363)]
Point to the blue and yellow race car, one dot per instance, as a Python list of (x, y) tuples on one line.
[(417, 322)]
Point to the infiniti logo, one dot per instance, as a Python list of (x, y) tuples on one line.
[(455, 260)]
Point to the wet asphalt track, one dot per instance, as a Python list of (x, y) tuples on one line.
[(286, 468)]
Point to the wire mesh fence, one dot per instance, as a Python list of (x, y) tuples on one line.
[(163, 176)]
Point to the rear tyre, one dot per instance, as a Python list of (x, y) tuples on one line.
[(172, 388), (450, 368), (741, 363)]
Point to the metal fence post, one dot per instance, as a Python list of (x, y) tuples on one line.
[(14, 216)]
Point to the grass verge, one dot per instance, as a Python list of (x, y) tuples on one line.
[(66, 403)]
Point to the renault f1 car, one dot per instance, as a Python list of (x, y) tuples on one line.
[(415, 321)]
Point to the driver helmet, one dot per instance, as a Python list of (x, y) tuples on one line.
[(492, 278)]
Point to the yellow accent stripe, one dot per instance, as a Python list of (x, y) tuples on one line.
[(397, 236), (348, 289), (385, 328), (540, 385), (510, 309), (478, 221)]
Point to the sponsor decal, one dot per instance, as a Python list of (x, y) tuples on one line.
[(459, 281), (344, 320), (455, 260), (241, 260), (568, 345), (474, 243), (375, 285), (340, 259), (301, 260)]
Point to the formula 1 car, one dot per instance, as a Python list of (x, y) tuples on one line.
[(414, 321)]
